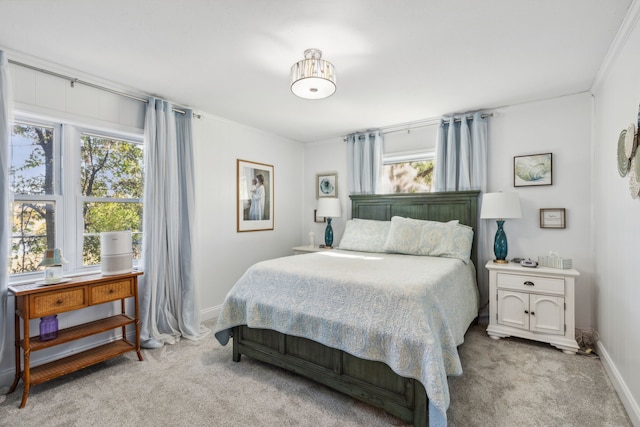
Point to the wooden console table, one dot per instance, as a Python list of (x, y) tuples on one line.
[(33, 301)]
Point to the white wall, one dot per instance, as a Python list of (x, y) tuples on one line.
[(331, 156), (42, 94), (321, 157), (223, 254), (560, 126), (616, 223)]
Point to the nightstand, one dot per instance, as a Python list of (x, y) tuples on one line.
[(533, 303), (306, 249)]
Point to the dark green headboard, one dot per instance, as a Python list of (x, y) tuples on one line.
[(460, 205)]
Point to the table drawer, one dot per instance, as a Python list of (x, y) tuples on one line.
[(54, 302), (536, 284), (111, 291)]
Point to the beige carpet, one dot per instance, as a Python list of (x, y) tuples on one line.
[(506, 383)]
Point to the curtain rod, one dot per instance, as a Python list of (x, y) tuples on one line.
[(74, 80), (408, 127)]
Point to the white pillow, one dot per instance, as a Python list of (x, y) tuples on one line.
[(430, 238), (365, 235), (405, 236), (456, 244)]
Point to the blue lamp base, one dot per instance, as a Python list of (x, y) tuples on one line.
[(500, 246), (328, 234)]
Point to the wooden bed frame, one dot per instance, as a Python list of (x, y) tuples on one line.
[(369, 381)]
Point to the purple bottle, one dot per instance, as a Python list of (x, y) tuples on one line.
[(48, 328)]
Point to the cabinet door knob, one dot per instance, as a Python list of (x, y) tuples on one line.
[(526, 312), (533, 313), (529, 283)]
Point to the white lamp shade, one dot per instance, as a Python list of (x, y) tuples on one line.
[(329, 207), (500, 206), (313, 77)]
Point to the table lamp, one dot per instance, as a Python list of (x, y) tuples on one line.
[(329, 207), (52, 263), (500, 206)]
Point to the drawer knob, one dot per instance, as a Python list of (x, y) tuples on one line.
[(111, 291), (60, 301), (529, 283)]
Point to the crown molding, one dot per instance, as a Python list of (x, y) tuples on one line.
[(620, 40)]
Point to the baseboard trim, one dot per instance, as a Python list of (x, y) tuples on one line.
[(630, 405), (210, 313)]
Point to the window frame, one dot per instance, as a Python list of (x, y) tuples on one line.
[(68, 227), (407, 157)]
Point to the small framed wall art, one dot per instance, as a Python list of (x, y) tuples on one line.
[(254, 196), (553, 218), (533, 169), (326, 185)]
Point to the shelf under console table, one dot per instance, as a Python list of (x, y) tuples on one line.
[(34, 301)]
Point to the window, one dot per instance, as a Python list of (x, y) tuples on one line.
[(69, 184), (35, 186), (111, 191), (408, 173)]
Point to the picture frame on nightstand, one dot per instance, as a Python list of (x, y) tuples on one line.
[(553, 218)]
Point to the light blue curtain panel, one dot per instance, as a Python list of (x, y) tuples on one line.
[(168, 307), (461, 154), (364, 159), (461, 165), (5, 228)]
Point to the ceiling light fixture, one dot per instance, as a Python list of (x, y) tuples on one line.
[(313, 77)]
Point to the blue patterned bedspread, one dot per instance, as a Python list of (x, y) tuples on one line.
[(410, 312)]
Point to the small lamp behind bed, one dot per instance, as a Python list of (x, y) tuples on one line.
[(329, 207), (499, 206)]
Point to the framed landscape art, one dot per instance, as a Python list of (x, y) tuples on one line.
[(254, 196)]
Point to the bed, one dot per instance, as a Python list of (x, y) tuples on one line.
[(334, 316)]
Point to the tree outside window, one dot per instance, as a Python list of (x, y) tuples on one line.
[(32, 183), (408, 177), (110, 176), (111, 183)]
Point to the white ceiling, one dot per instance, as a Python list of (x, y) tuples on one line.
[(396, 61)]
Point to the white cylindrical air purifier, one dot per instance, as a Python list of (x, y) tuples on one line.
[(116, 251)]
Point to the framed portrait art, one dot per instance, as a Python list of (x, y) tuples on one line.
[(254, 196), (326, 185), (534, 169)]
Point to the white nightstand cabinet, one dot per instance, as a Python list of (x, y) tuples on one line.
[(533, 303), (299, 250)]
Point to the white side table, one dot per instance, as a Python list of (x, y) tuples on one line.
[(306, 249), (533, 303)]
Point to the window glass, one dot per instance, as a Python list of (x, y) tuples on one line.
[(111, 185), (32, 232), (32, 159), (105, 171), (104, 216), (33, 182), (408, 177), (110, 167)]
